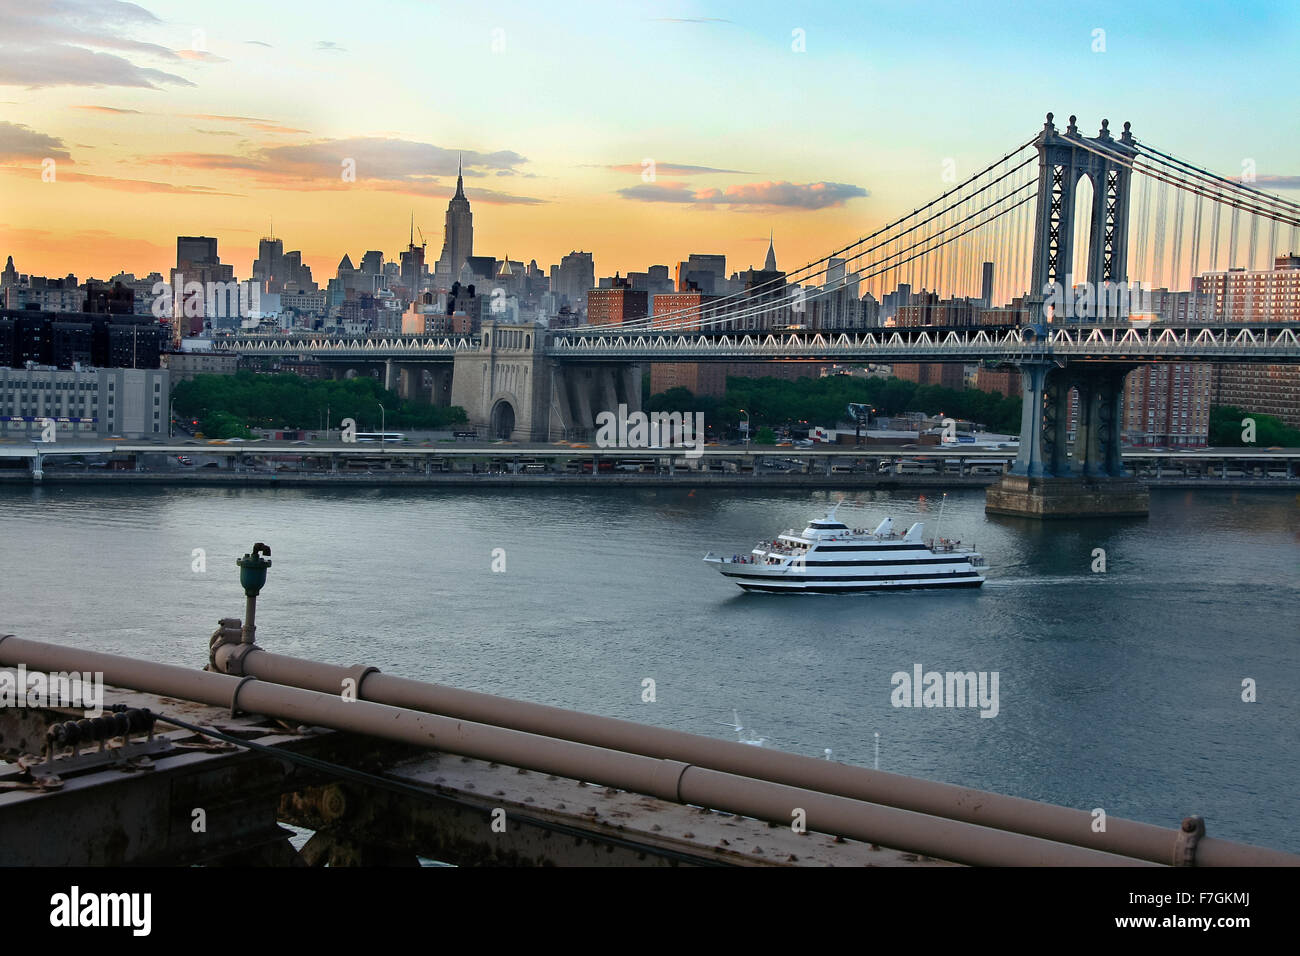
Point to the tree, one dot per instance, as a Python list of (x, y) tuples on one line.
[(823, 401), (281, 400), (1226, 429), (222, 425), (765, 436)]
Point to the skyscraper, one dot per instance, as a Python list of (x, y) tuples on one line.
[(576, 278), (705, 273), (412, 267), (457, 236), (267, 266), (197, 261), (275, 270)]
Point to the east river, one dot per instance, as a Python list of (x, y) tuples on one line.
[(1119, 689)]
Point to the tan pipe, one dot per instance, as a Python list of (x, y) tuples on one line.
[(1130, 838), (666, 779)]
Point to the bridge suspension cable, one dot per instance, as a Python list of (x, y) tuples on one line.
[(1149, 152), (892, 260), (1159, 172), (896, 242), (805, 272)]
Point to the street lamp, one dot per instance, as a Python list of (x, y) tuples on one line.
[(381, 423), (746, 414)]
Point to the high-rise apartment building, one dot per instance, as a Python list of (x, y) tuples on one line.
[(1264, 295), (616, 304), (688, 311), (1167, 405)]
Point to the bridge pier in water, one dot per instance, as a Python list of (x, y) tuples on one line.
[(1046, 481)]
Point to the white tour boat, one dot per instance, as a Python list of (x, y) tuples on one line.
[(828, 557)]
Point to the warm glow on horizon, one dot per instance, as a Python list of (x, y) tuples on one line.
[(216, 124)]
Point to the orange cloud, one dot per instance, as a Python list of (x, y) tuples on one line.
[(125, 185), (369, 163), (111, 110)]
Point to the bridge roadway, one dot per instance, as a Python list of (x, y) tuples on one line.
[(1097, 342), (935, 464)]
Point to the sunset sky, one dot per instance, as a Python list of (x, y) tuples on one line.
[(205, 118)]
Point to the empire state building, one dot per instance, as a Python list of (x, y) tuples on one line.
[(457, 237)]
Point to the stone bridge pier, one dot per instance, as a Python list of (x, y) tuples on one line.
[(1047, 480), (361, 368), (510, 389), (582, 392), (421, 382)]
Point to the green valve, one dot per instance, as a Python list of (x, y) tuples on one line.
[(252, 570)]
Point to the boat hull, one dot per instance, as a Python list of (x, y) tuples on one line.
[(837, 584)]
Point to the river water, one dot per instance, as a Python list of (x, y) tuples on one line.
[(1120, 689)]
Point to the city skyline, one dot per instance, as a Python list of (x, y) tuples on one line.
[(128, 102)]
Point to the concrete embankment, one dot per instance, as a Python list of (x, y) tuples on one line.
[(505, 480), (467, 480)]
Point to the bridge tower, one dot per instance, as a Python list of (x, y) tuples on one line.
[(1064, 161), (503, 385), (510, 388), (1047, 479)]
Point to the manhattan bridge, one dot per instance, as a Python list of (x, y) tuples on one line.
[(1080, 228)]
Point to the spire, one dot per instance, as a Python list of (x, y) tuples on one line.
[(769, 265), (412, 230), (460, 181)]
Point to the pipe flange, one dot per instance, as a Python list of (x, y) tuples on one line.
[(231, 658), (1189, 834), (229, 631), (234, 695), (357, 675), (666, 780)]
